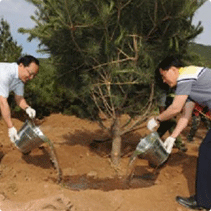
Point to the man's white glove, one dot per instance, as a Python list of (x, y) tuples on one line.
[(31, 112), (152, 124), (169, 143), (13, 134)]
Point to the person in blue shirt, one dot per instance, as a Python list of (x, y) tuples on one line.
[(13, 76)]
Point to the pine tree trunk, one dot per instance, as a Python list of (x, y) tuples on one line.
[(116, 144)]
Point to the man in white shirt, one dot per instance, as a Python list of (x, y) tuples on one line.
[(13, 76)]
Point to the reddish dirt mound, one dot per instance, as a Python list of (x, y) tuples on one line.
[(29, 182)]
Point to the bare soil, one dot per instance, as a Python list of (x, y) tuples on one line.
[(89, 181)]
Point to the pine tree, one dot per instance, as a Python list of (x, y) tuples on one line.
[(106, 52), (9, 49)]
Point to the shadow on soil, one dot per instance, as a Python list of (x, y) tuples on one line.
[(142, 176), (188, 165), (84, 182), (42, 160), (102, 146)]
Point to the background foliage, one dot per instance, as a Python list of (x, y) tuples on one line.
[(105, 52), (101, 47), (103, 57), (10, 51)]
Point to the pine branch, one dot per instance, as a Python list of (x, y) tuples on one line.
[(142, 118)]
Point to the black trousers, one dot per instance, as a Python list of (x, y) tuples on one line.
[(203, 174)]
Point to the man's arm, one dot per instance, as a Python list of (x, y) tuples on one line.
[(181, 124), (184, 119), (175, 108), (5, 111), (21, 102)]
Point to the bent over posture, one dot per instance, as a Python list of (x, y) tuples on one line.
[(13, 76), (193, 84)]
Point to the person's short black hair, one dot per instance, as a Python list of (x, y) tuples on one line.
[(170, 61), (27, 60), (165, 64), (159, 81)]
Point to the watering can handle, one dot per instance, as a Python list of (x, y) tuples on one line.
[(31, 121)]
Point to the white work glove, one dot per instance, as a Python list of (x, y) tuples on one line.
[(169, 143), (152, 124), (31, 112), (13, 134)]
